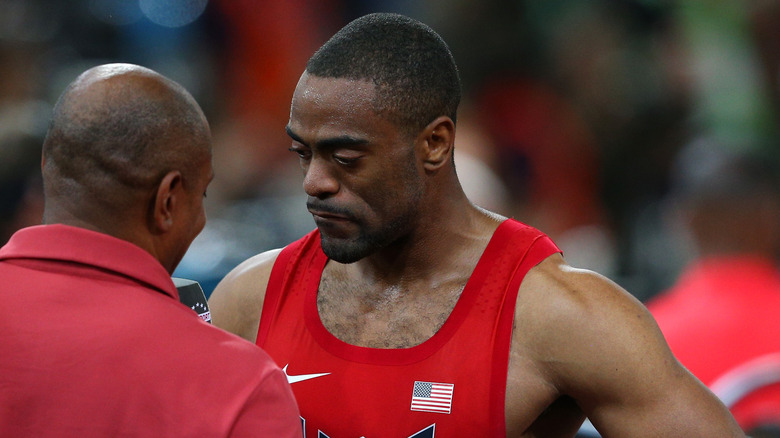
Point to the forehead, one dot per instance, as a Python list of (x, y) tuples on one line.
[(326, 107)]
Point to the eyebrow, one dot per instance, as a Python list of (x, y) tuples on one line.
[(343, 140)]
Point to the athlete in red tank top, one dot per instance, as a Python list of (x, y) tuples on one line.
[(412, 311), (453, 384)]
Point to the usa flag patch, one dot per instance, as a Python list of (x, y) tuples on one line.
[(432, 397)]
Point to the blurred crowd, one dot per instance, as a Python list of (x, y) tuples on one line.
[(576, 114)]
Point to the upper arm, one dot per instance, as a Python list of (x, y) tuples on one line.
[(237, 301), (596, 343)]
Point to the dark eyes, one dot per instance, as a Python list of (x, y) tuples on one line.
[(302, 153), (344, 160)]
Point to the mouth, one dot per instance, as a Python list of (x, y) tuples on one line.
[(323, 210), (335, 221), (332, 224), (337, 225), (324, 215)]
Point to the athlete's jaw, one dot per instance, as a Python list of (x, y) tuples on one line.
[(345, 247)]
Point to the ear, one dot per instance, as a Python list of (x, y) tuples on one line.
[(164, 205), (437, 141)]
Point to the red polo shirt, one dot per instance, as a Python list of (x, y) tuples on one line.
[(724, 314), (95, 343)]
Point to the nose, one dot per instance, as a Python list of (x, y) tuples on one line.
[(318, 180)]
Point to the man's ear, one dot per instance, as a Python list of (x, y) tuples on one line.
[(437, 141), (164, 204)]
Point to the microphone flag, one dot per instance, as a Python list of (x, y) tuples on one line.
[(192, 296)]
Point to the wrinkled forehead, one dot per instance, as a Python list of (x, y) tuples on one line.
[(315, 93), (333, 104)]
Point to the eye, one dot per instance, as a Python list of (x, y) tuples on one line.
[(303, 154), (346, 161)]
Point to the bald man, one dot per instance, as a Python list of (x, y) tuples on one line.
[(94, 340)]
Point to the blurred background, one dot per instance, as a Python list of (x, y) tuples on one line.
[(576, 113)]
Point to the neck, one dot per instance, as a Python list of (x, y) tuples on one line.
[(126, 228), (433, 253)]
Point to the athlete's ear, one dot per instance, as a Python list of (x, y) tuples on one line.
[(437, 141), (164, 202)]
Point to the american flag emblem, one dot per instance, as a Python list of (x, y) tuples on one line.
[(432, 397)]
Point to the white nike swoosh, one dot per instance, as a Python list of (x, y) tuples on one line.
[(301, 377)]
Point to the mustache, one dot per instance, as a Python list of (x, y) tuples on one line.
[(324, 207)]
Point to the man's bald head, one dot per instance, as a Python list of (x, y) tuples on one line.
[(116, 130)]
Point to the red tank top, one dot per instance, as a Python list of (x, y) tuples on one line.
[(451, 385)]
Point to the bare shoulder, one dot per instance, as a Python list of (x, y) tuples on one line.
[(594, 342), (574, 321), (562, 305), (237, 301)]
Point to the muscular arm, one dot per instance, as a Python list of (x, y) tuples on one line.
[(589, 345), (237, 301)]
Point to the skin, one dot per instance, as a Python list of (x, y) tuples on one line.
[(581, 345), (163, 219)]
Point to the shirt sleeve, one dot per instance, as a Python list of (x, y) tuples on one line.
[(270, 410)]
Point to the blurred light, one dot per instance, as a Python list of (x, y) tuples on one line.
[(173, 13), (116, 12)]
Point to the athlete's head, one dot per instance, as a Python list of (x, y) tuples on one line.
[(372, 118)]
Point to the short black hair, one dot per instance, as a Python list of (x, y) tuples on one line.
[(415, 73)]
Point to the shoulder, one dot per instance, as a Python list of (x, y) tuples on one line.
[(593, 341), (255, 387), (573, 320), (568, 292), (237, 301)]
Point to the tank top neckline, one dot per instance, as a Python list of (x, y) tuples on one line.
[(402, 356)]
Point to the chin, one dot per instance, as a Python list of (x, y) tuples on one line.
[(345, 252)]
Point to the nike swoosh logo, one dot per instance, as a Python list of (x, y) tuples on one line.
[(301, 377)]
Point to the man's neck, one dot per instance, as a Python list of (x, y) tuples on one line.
[(433, 254)]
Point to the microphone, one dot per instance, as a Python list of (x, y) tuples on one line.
[(192, 296)]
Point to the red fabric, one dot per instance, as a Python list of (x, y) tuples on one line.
[(529, 119), (267, 45), (368, 391), (96, 344), (723, 313)]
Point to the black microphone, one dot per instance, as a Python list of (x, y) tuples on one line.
[(192, 296)]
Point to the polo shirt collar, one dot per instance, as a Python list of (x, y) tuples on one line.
[(79, 245)]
